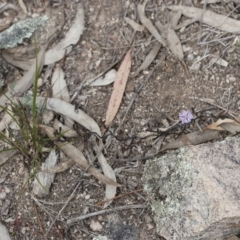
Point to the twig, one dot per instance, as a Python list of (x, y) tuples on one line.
[(39, 222), (71, 196), (225, 109), (73, 220), (119, 196)]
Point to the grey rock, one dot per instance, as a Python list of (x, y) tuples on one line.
[(195, 191), (19, 31)]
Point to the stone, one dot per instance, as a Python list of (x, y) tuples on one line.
[(194, 191)]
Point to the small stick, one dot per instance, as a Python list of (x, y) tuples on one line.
[(225, 109), (73, 220), (119, 196), (71, 196), (39, 222)]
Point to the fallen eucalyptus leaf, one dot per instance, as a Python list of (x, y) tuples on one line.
[(111, 190), (109, 78), (25, 65), (134, 25), (72, 37), (148, 60), (25, 82), (215, 20), (77, 156), (118, 88), (148, 24)]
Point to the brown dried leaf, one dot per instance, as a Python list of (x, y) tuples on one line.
[(216, 125), (148, 24), (118, 88), (208, 17), (192, 138), (77, 156)]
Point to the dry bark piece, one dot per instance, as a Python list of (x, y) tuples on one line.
[(148, 24), (44, 180), (218, 21), (118, 88), (72, 37), (77, 156)]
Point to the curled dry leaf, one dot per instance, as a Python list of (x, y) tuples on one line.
[(72, 37), (26, 81), (68, 110), (118, 88), (111, 190), (77, 156), (25, 65), (134, 25), (208, 17), (148, 60), (148, 24), (64, 130), (219, 125)]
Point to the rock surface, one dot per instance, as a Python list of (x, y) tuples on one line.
[(195, 191)]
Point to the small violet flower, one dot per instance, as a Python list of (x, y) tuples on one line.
[(185, 116)]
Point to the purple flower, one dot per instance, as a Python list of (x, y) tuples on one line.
[(185, 116)]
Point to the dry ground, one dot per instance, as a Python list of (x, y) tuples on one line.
[(168, 90)]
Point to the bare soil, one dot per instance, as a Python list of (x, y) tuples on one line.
[(171, 88)]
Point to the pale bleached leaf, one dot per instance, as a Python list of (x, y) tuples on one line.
[(76, 155), (118, 88), (109, 78), (6, 155), (134, 25), (60, 91), (68, 110), (7, 118), (25, 65), (221, 22), (148, 24), (4, 235), (111, 190), (219, 61), (72, 37), (26, 81), (148, 60)]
